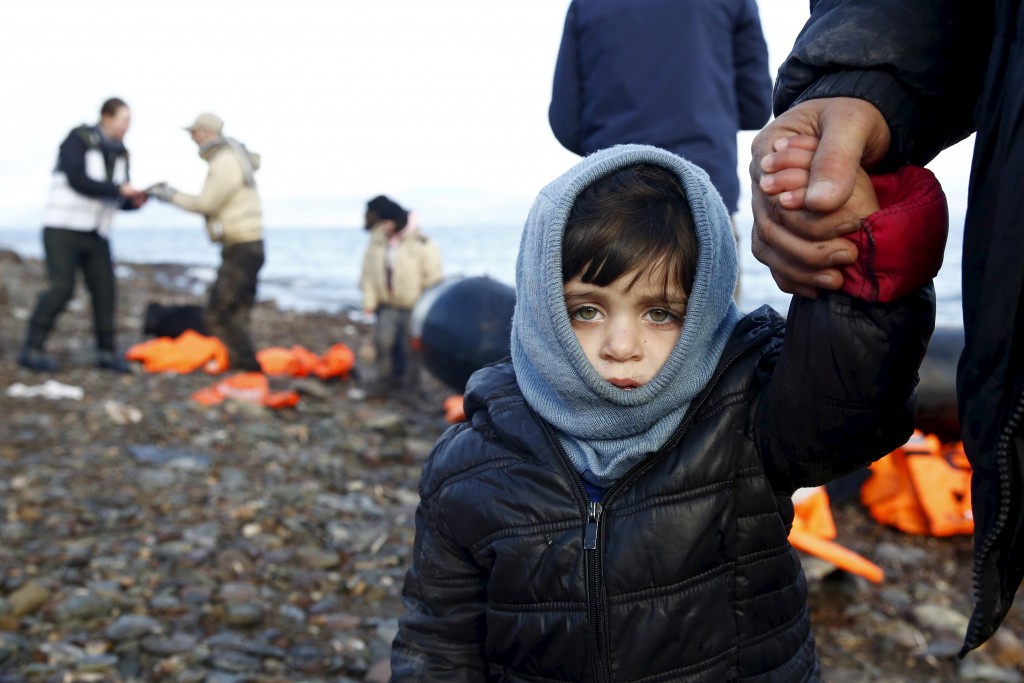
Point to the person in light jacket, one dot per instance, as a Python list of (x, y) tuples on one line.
[(234, 218), (399, 264)]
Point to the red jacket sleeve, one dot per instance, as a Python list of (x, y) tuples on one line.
[(901, 245)]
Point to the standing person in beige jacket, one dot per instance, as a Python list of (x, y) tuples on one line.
[(399, 264), (231, 205)]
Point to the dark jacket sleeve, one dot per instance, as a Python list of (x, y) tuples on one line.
[(72, 163), (921, 62), (753, 79), (441, 632), (843, 390), (566, 111)]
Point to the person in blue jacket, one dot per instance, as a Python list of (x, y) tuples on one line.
[(683, 76)]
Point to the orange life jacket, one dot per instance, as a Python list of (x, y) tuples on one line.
[(922, 488), (814, 528), (246, 386)]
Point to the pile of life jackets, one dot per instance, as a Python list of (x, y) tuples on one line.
[(921, 488), (191, 351)]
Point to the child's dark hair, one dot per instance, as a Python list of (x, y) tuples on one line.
[(636, 218)]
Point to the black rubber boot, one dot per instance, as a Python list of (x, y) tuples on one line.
[(37, 360), (108, 360)]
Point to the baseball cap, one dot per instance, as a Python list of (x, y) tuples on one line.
[(207, 121)]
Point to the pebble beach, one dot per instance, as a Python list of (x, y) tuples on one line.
[(146, 537)]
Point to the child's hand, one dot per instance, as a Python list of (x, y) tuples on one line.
[(793, 157)]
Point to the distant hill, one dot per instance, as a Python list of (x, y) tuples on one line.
[(445, 206)]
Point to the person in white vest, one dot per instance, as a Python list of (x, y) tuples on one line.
[(90, 184), (234, 218)]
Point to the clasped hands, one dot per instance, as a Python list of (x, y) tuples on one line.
[(161, 191), (136, 197), (809, 189)]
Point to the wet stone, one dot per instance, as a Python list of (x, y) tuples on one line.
[(155, 455), (981, 672), (82, 607), (164, 603), (11, 646), (156, 480), (12, 533), (222, 677), (243, 614), (166, 646), (27, 599), (940, 618), (132, 626), (233, 661), (292, 613), (238, 592), (316, 558), (308, 659), (62, 654), (340, 622), (97, 663)]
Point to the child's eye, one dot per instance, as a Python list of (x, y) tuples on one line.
[(585, 313), (661, 316)]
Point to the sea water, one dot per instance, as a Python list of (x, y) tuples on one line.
[(317, 269)]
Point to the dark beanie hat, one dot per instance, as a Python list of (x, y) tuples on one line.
[(388, 210)]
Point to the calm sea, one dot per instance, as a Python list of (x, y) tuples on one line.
[(318, 268)]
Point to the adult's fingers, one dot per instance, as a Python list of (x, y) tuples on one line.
[(853, 133), (799, 263), (784, 180), (805, 142)]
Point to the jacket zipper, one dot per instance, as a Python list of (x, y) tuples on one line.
[(1003, 463), (593, 511), (591, 532)]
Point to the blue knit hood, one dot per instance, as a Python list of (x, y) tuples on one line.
[(606, 430)]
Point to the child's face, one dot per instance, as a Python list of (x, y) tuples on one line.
[(388, 227), (627, 335)]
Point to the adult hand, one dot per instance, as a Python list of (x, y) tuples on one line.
[(135, 197), (799, 214), (161, 191)]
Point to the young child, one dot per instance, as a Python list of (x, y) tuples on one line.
[(617, 506), (399, 264)]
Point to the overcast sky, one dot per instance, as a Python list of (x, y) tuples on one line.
[(440, 104)]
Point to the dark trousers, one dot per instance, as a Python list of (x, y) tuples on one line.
[(67, 251), (398, 365), (232, 297)]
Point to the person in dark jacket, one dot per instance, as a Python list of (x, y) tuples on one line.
[(912, 94), (617, 505), (90, 184), (684, 76)]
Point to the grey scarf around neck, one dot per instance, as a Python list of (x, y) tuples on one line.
[(243, 155), (606, 430)]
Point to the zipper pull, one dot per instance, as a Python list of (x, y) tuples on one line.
[(593, 521)]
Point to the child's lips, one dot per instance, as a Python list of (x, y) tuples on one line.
[(625, 383)]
